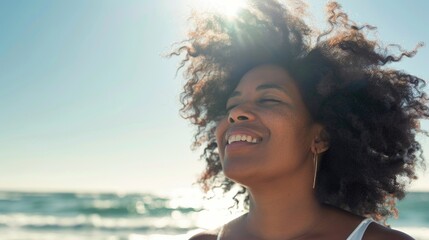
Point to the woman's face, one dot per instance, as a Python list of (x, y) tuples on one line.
[(267, 132)]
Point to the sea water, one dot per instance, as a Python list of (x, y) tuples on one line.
[(111, 216)]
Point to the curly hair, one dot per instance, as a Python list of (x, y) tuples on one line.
[(370, 112)]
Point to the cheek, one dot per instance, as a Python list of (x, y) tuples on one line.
[(220, 132), (291, 136)]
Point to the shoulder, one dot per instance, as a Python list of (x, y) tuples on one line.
[(343, 222), (377, 231), (213, 234), (206, 235)]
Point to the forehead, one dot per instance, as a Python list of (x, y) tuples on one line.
[(265, 74)]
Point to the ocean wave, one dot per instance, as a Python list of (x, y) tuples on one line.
[(40, 215), (177, 223), (106, 204), (38, 235)]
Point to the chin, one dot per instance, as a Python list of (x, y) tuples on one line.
[(240, 174)]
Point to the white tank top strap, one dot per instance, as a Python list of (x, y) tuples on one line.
[(358, 233), (220, 233)]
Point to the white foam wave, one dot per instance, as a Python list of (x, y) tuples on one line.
[(37, 235), (176, 221)]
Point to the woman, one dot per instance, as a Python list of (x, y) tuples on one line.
[(320, 136)]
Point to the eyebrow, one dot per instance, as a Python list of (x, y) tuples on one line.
[(262, 87)]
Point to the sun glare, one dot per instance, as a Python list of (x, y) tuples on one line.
[(229, 8)]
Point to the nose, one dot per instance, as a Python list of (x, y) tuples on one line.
[(240, 113)]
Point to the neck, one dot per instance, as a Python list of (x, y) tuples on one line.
[(282, 212)]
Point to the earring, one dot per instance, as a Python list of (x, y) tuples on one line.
[(315, 160)]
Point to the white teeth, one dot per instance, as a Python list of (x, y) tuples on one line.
[(244, 138)]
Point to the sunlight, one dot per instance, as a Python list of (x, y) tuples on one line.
[(229, 8)]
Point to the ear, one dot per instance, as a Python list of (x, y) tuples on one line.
[(320, 141)]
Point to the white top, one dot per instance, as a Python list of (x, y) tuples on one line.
[(359, 231), (357, 234)]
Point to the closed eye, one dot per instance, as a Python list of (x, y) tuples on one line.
[(262, 100), (268, 100)]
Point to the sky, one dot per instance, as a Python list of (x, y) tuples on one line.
[(89, 103)]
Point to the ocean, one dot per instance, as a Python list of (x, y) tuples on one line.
[(112, 216)]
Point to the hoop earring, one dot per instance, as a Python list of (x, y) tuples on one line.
[(315, 160)]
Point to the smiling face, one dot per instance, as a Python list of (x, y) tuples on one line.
[(267, 132)]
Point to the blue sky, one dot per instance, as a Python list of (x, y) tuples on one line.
[(88, 103)]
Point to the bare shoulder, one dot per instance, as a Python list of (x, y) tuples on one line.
[(376, 231), (343, 223), (213, 234), (206, 235)]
